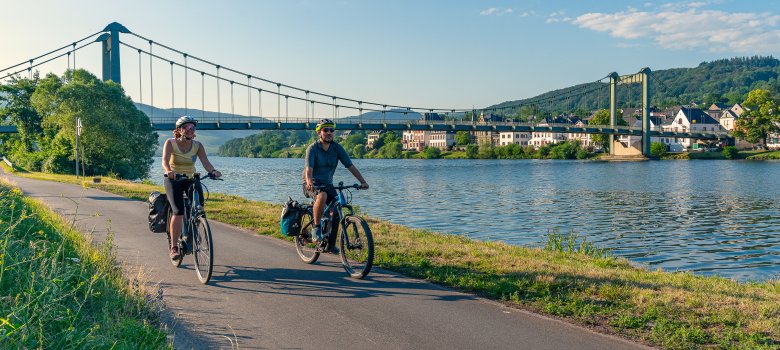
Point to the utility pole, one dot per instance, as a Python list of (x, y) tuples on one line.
[(78, 133)]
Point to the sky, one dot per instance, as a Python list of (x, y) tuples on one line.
[(430, 54)]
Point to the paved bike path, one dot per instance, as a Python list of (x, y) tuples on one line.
[(262, 296)]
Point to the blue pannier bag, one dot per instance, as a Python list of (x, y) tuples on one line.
[(290, 221)]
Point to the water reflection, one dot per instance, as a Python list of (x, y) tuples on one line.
[(711, 217)]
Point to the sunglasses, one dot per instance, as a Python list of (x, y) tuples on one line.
[(328, 129)]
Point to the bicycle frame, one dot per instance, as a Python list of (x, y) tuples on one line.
[(338, 206), (191, 212)]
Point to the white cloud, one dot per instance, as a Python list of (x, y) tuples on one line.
[(691, 28), (557, 17), (489, 11), (495, 11)]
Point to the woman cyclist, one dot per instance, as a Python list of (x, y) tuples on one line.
[(179, 155)]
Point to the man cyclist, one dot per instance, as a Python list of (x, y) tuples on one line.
[(322, 157), (179, 156)]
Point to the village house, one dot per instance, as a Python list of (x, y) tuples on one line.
[(541, 138), (514, 137), (414, 140), (372, 136), (688, 120), (442, 140)]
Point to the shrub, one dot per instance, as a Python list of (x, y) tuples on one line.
[(730, 152)]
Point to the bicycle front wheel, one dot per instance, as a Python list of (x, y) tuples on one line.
[(356, 247), (304, 244), (203, 250)]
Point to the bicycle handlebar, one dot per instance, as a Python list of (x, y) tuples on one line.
[(181, 177), (339, 187)]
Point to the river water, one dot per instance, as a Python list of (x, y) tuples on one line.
[(710, 217)]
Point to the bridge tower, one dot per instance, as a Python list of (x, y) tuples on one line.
[(110, 40), (642, 77)]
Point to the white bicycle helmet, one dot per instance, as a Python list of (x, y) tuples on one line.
[(186, 119)]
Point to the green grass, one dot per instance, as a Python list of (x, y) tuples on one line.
[(58, 291), (763, 155), (569, 278)]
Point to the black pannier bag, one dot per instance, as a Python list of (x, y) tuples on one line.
[(158, 212), (290, 221)]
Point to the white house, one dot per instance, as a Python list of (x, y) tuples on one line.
[(583, 138), (371, 138), (688, 120), (513, 137), (441, 139)]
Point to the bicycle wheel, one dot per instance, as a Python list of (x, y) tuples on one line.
[(304, 245), (356, 247), (203, 250)]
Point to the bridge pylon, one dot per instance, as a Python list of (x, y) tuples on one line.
[(110, 39), (642, 77)]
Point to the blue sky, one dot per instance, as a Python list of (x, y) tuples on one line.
[(438, 54)]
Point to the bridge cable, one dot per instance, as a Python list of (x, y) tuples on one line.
[(249, 94), (140, 79), (46, 61), (202, 95), (186, 109), (580, 90), (219, 99), (278, 102), (260, 103), (151, 83), (280, 84), (232, 104), (51, 52), (173, 102)]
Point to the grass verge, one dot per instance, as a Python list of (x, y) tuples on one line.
[(569, 278), (58, 291)]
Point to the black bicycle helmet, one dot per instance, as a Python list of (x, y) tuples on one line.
[(325, 123)]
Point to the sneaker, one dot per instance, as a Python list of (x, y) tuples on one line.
[(175, 253), (316, 234)]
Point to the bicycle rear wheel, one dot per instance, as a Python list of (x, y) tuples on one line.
[(356, 247), (304, 245), (203, 250)]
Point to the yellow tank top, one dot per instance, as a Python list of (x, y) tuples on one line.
[(183, 162)]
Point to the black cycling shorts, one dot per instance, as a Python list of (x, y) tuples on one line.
[(174, 190), (329, 190)]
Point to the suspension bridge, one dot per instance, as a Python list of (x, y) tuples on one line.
[(266, 103)]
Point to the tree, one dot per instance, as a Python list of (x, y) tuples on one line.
[(486, 151), (657, 149), (462, 138), (730, 152), (760, 119), (601, 117), (471, 151), (431, 153), (15, 99), (117, 138)]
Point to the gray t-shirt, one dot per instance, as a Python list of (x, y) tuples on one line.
[(324, 162)]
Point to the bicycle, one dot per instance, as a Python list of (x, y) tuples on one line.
[(200, 243), (356, 245)]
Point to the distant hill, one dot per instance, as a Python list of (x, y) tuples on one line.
[(211, 139), (726, 81), (391, 114)]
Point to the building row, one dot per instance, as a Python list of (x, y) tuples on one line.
[(717, 117)]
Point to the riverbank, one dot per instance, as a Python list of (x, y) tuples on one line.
[(568, 279), (57, 290)]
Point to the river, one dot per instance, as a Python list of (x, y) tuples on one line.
[(710, 217)]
